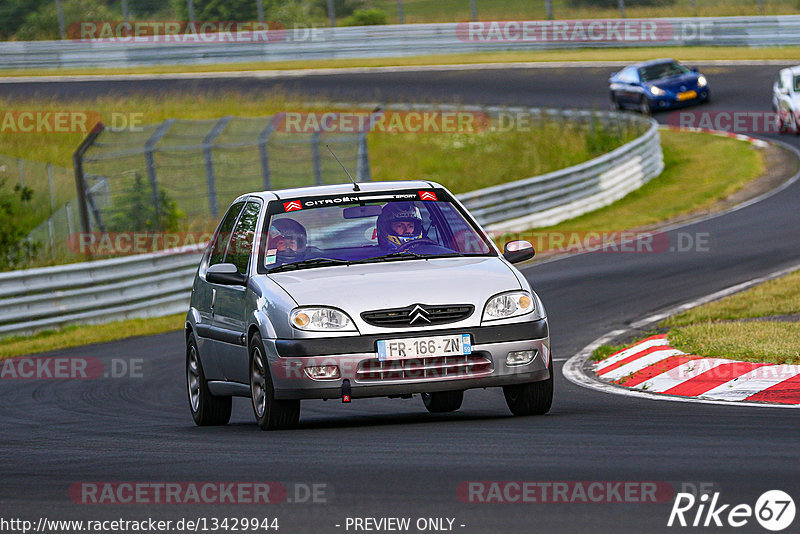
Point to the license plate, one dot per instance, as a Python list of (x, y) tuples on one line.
[(687, 95), (424, 347)]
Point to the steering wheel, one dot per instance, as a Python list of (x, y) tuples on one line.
[(421, 241)]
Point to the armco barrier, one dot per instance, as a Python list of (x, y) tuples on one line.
[(407, 40), (146, 285), (158, 284)]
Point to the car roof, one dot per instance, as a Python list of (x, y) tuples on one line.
[(340, 189), (651, 62)]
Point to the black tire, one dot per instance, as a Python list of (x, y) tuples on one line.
[(443, 401), (614, 104), (271, 414), (207, 409), (534, 398), (644, 106)]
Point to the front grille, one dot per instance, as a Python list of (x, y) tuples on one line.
[(418, 315), (450, 367)]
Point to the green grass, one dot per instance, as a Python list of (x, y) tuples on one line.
[(715, 330), (761, 341), (684, 54), (459, 10), (775, 297), (461, 161), (76, 336), (700, 169)]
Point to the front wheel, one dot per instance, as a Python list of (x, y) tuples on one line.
[(443, 401), (270, 414), (207, 410), (644, 106), (614, 103), (534, 398)]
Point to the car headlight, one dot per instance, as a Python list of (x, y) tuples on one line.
[(657, 90), (507, 305), (321, 320), (701, 81)]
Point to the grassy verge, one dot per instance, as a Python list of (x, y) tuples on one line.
[(684, 54), (700, 169), (76, 336), (726, 329)]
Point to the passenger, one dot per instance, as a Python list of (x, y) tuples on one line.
[(288, 238)]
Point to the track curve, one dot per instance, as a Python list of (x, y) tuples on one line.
[(387, 457)]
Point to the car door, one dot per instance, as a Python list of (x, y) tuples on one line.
[(230, 309), (204, 295)]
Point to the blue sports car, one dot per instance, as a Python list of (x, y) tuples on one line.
[(657, 84)]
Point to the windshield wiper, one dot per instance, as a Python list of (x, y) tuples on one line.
[(395, 256), (306, 264)]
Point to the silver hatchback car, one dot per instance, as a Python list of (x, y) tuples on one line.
[(354, 291)]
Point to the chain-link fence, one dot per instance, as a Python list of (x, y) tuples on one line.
[(182, 174)]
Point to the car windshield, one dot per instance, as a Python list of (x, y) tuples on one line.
[(368, 232), (661, 70)]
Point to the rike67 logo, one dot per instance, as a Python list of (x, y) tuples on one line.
[(774, 510)]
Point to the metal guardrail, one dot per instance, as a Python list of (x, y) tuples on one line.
[(407, 40), (158, 284), (146, 285)]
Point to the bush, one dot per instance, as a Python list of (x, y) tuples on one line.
[(42, 24), (342, 8), (366, 17), (134, 211), (15, 249)]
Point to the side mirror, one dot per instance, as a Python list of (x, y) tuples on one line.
[(694, 69), (225, 274), (784, 90), (517, 251)]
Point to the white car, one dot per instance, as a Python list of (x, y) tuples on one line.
[(786, 99)]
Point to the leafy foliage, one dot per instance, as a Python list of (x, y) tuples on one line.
[(15, 249), (366, 17), (134, 210)]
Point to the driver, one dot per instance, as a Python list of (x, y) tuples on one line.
[(399, 224), (288, 238)]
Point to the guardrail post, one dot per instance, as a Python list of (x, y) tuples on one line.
[(208, 145), (263, 138), (315, 157), (80, 184), (400, 16), (622, 8), (473, 10), (150, 162), (21, 173)]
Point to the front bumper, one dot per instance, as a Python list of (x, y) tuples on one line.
[(670, 100), (356, 358)]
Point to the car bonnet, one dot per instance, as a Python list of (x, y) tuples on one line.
[(374, 286)]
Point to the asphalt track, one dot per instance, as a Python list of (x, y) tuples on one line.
[(386, 457)]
